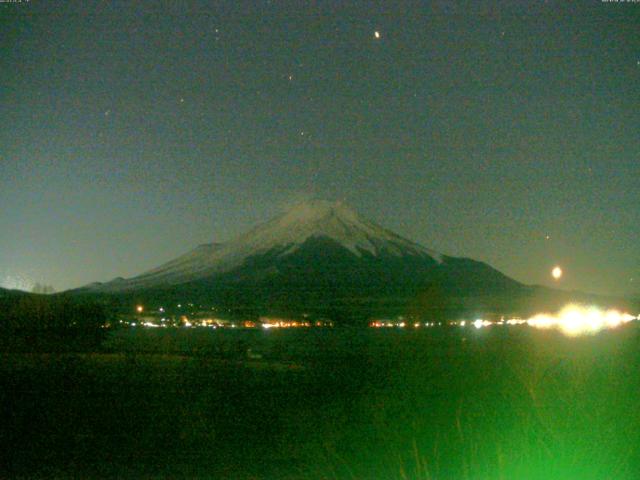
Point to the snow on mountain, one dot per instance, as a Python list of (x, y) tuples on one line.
[(287, 233), (332, 220)]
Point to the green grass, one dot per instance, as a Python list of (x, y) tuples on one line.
[(443, 404)]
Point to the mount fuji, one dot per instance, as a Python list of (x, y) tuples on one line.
[(286, 235), (321, 258)]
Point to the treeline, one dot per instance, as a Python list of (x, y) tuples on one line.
[(44, 322), (41, 288)]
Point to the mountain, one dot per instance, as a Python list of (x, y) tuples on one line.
[(281, 237), (322, 258)]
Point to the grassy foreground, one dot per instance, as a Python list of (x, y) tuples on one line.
[(440, 404)]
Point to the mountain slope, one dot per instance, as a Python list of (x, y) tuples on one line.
[(285, 235), (320, 257)]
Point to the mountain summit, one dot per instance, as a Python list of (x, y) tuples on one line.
[(318, 256), (332, 220), (287, 233)]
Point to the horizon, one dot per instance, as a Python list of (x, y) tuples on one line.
[(309, 205)]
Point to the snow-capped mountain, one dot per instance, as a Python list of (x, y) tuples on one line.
[(319, 257), (285, 234)]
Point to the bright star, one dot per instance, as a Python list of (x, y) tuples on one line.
[(376, 34), (556, 273)]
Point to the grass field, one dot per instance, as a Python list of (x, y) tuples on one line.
[(447, 403)]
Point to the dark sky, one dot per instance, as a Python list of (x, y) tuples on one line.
[(133, 131)]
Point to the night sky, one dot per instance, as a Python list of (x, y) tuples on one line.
[(132, 132)]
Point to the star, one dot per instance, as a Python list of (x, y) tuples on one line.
[(376, 34), (107, 113), (181, 100)]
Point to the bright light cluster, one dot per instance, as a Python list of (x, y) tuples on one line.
[(285, 324), (576, 320), (479, 323), (400, 324), (572, 320), (270, 322)]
